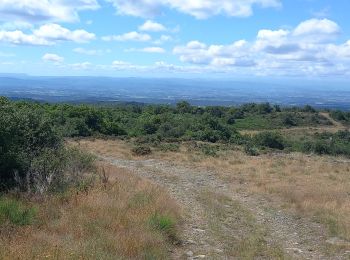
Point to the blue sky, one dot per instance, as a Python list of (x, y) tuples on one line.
[(176, 38)]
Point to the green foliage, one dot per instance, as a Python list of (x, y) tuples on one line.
[(25, 133), (251, 150), (31, 133), (32, 155), (328, 144), (270, 139), (164, 224), (12, 211), (342, 116)]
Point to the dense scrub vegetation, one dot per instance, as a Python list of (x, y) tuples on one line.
[(53, 206), (33, 156)]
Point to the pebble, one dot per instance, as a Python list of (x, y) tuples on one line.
[(199, 257), (189, 253)]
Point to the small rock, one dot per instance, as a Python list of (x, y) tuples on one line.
[(219, 251), (199, 257), (190, 242), (189, 253)]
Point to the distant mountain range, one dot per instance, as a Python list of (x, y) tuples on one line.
[(169, 91)]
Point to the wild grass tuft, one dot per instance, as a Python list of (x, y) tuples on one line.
[(14, 212)]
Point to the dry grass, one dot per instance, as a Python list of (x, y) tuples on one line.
[(246, 239), (127, 218), (313, 186)]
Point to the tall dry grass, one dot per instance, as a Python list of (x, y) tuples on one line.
[(126, 218)]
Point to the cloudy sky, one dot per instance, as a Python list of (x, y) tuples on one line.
[(187, 38)]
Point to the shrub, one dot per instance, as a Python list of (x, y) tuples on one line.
[(288, 120), (141, 150), (270, 140), (251, 150), (169, 147)]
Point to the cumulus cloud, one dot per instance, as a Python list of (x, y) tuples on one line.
[(317, 30), (34, 11), (19, 38), (195, 52), (47, 34), (55, 32), (151, 26), (278, 52), (130, 36), (199, 9), (53, 58)]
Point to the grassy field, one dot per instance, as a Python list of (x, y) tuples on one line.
[(312, 186), (123, 218)]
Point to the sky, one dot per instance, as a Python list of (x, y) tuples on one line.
[(301, 39)]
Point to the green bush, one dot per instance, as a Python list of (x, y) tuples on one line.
[(251, 150), (270, 140)]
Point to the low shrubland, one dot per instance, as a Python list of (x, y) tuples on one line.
[(57, 202)]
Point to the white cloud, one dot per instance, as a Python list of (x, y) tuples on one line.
[(47, 34), (163, 39), (147, 50), (317, 30), (130, 36), (151, 26), (276, 52), (91, 52), (19, 38), (196, 52), (55, 32), (53, 58), (199, 9), (35, 11)]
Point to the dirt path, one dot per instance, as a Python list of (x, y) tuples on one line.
[(335, 127), (337, 124), (222, 222)]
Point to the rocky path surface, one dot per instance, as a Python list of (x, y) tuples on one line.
[(216, 216)]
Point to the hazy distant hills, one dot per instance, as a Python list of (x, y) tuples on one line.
[(169, 91)]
